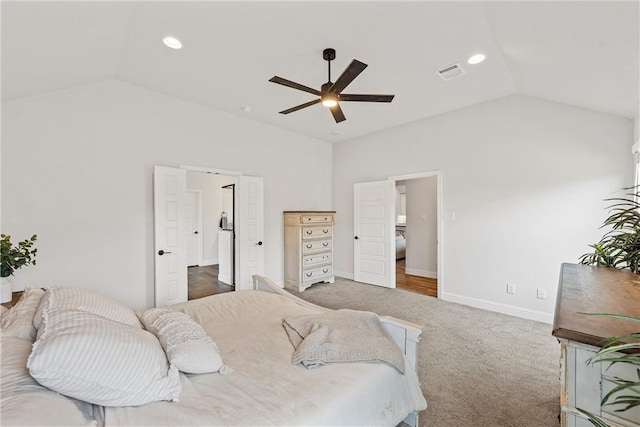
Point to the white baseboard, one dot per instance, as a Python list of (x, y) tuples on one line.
[(421, 273), (524, 313), (343, 274), (212, 261)]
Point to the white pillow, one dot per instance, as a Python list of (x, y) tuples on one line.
[(187, 345), (18, 321), (82, 299), (91, 358)]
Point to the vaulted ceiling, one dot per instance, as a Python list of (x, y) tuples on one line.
[(583, 53)]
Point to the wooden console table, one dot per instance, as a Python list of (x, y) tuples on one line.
[(586, 289)]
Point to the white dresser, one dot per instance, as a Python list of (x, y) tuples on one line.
[(586, 289), (308, 248)]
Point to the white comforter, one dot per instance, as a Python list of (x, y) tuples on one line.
[(265, 388)]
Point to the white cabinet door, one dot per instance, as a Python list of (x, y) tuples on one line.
[(374, 233), (249, 230), (169, 199)]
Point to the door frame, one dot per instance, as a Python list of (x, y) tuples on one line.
[(439, 232), (236, 217), (199, 239)]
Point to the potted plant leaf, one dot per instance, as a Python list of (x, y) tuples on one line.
[(13, 258)]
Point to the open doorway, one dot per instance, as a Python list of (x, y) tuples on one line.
[(170, 231), (210, 234), (417, 231)]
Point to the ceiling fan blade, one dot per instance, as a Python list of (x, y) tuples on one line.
[(300, 107), (347, 76), (338, 115), (294, 85), (366, 98)]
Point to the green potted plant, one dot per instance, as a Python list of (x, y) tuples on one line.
[(13, 258), (620, 247)]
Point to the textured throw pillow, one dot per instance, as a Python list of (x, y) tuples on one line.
[(82, 299), (18, 321), (91, 358), (187, 345)]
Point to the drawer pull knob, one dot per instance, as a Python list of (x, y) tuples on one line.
[(309, 274), (309, 232), (324, 270), (325, 231), (309, 246), (325, 244)]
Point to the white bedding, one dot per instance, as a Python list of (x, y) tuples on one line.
[(264, 387)]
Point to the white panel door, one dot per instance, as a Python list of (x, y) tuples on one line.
[(249, 230), (374, 233), (169, 199), (193, 221)]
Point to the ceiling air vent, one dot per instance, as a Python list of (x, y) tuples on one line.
[(447, 73)]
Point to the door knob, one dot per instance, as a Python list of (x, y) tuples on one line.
[(161, 252), (356, 237), (195, 232), (260, 243)]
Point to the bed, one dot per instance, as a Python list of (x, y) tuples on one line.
[(255, 382)]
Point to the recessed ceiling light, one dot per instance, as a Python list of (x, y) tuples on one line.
[(476, 59), (172, 42)]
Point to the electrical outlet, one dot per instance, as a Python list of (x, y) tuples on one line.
[(511, 288), (449, 216), (542, 293)]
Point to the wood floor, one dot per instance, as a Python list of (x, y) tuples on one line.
[(203, 281), (418, 284)]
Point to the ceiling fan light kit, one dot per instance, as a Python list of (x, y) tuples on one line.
[(330, 94)]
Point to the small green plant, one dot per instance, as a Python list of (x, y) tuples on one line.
[(620, 247), (15, 257), (621, 349)]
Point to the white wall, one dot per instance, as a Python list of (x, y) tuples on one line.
[(212, 207), (422, 227), (526, 179), (77, 170)]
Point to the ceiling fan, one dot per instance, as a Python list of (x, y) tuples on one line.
[(330, 94)]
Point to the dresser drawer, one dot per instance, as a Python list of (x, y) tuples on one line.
[(315, 246), (312, 219), (315, 232), (317, 274), (311, 260)]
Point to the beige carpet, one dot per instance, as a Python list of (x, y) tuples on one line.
[(477, 368)]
